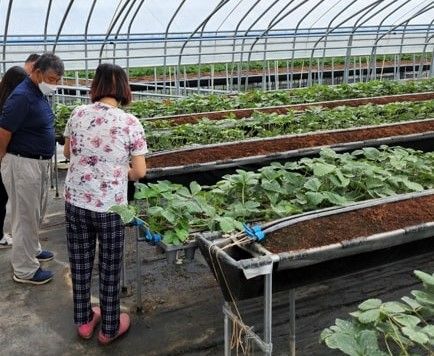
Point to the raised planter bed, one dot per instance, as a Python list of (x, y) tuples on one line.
[(213, 161), (243, 113), (314, 246)]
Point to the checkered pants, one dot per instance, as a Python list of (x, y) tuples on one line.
[(83, 228)]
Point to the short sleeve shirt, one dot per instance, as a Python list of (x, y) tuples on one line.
[(28, 115), (102, 140)]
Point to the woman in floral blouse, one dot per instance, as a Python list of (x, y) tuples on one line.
[(106, 148)]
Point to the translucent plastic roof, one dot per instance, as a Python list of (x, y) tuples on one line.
[(162, 32), (24, 17)]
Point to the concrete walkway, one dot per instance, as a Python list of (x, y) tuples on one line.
[(37, 320)]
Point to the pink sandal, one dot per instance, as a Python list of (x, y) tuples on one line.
[(124, 325), (86, 330)]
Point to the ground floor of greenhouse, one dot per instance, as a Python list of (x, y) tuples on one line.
[(177, 308)]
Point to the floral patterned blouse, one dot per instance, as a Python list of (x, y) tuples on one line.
[(102, 139)]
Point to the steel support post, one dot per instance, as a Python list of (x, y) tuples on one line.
[(291, 322), (138, 271)]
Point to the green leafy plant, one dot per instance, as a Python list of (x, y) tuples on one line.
[(151, 108), (279, 190), (388, 328), (262, 125)]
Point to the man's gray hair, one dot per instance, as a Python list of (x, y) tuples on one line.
[(49, 61)]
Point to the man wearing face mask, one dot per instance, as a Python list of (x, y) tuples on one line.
[(27, 143)]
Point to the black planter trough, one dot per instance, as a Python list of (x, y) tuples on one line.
[(248, 270), (239, 268)]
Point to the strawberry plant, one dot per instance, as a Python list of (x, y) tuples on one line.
[(388, 328), (270, 125), (255, 99), (279, 190)]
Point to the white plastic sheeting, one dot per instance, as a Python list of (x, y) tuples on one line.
[(150, 33)]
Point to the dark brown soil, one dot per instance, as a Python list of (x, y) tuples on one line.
[(243, 113), (364, 222), (231, 151)]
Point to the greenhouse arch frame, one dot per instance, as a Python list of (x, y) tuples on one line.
[(234, 45)]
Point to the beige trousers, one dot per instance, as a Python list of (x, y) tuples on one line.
[(26, 182)]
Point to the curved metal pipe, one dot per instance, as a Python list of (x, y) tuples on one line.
[(201, 25), (380, 25), (133, 18), (272, 24), (46, 25), (423, 57), (132, 3), (235, 41), (291, 75), (418, 13), (258, 18), (61, 24), (5, 33), (165, 42), (355, 27), (328, 31), (86, 30), (110, 29)]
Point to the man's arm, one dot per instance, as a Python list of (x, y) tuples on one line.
[(5, 137)]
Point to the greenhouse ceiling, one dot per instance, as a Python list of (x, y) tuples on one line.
[(149, 33)]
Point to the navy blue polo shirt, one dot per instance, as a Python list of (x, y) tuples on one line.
[(28, 115)]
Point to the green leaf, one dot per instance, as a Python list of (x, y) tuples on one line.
[(155, 211), (371, 153), (126, 212), (412, 303), (195, 188), (393, 307), (335, 199), (322, 169), (369, 316), (423, 297), (413, 186), (181, 234), (351, 340), (227, 224), (407, 320), (170, 237), (427, 279), (415, 335), (273, 186), (339, 180), (428, 330), (314, 198), (313, 184), (343, 342), (169, 216), (327, 152)]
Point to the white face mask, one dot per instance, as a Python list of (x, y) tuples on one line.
[(46, 88)]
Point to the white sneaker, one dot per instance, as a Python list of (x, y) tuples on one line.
[(6, 241)]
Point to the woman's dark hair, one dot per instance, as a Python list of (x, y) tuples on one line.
[(12, 77), (110, 81)]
